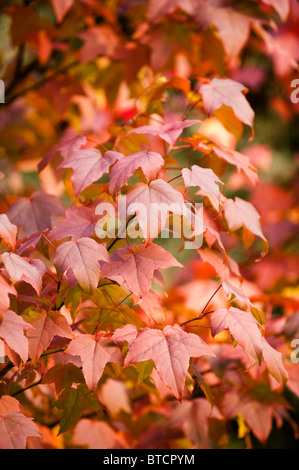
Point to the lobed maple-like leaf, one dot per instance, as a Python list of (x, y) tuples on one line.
[(239, 213), (274, 362), (35, 213), (14, 430), (45, 327), (95, 353), (205, 178), (8, 403), (230, 93), (88, 165), (149, 162), (78, 223), (257, 415), (82, 258), (12, 332), (8, 231), (63, 376), (170, 349), (168, 132), (242, 326), (152, 205), (137, 266), (20, 269)]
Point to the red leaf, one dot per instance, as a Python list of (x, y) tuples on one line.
[(239, 213), (5, 290), (274, 363), (97, 435), (35, 213), (45, 327), (82, 257), (168, 132), (12, 332), (137, 266), (226, 91), (20, 269), (170, 349), (242, 326), (94, 354), (61, 7), (149, 162), (88, 165), (14, 430), (8, 231), (79, 222), (8, 403), (205, 178)]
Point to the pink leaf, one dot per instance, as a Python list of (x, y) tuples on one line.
[(97, 435), (274, 363), (205, 178), (35, 213), (281, 6), (14, 430), (240, 161), (8, 403), (170, 349), (82, 257), (152, 204), (20, 269), (79, 222), (5, 290), (149, 162), (226, 91), (12, 332), (88, 165), (124, 333), (168, 132), (240, 213), (45, 327), (137, 266), (94, 354), (242, 326), (61, 7), (8, 231)]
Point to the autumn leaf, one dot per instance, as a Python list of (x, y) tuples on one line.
[(240, 213), (78, 223), (274, 363), (6, 290), (170, 349), (12, 332), (21, 269), (8, 231), (94, 354), (88, 165), (45, 325), (204, 178), (63, 376), (242, 326), (136, 266), (82, 257), (168, 132), (14, 430), (229, 92), (35, 213), (149, 162)]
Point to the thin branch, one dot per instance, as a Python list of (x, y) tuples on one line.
[(119, 235), (203, 313), (27, 388)]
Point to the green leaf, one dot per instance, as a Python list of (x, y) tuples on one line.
[(74, 402), (144, 370)]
